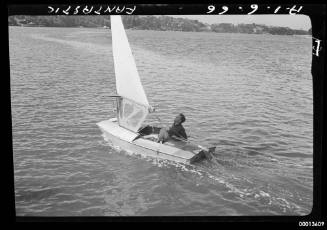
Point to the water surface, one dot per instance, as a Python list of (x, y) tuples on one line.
[(249, 95)]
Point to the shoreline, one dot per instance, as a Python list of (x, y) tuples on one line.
[(84, 27)]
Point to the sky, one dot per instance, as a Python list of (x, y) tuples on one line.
[(292, 21)]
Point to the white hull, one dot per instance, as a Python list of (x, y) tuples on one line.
[(173, 151)]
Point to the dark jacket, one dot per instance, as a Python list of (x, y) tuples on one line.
[(178, 131)]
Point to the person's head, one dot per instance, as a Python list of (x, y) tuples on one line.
[(179, 119)]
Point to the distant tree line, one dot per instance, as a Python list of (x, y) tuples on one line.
[(150, 23)]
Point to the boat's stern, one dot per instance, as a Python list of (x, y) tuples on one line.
[(202, 154), (198, 157)]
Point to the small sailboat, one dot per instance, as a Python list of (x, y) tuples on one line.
[(127, 129)]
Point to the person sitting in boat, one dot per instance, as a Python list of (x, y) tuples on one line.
[(176, 130)]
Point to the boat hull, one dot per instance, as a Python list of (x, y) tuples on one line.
[(125, 139)]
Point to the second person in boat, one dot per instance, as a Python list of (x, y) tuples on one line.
[(176, 130)]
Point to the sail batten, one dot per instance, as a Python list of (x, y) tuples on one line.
[(133, 105)]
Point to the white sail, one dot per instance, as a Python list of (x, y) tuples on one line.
[(128, 82), (133, 105)]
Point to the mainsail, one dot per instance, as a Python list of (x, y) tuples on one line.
[(133, 105)]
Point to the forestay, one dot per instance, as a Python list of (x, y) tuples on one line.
[(133, 106)]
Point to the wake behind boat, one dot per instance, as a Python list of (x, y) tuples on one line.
[(127, 130)]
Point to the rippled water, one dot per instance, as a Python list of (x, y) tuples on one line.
[(249, 95)]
